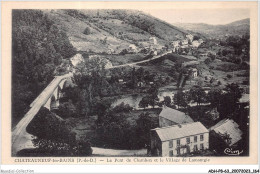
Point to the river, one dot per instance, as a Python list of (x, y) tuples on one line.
[(133, 100)]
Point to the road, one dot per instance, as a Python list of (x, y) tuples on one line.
[(143, 61), (20, 138)]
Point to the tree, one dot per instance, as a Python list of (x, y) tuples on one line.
[(144, 102), (38, 48), (100, 108), (229, 100), (197, 94), (86, 31), (207, 61), (115, 131), (180, 99), (53, 136), (229, 76), (123, 52), (196, 37), (153, 97), (66, 110), (140, 74), (214, 96), (167, 100), (143, 126), (122, 108)]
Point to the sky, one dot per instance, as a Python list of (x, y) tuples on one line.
[(208, 16)]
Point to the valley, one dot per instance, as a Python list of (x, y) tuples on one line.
[(126, 67)]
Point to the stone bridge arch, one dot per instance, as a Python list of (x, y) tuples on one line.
[(21, 139), (54, 101)]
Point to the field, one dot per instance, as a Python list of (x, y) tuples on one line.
[(111, 29), (124, 59)]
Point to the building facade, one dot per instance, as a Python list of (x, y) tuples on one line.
[(178, 140)]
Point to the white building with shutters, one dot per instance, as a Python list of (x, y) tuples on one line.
[(179, 139)]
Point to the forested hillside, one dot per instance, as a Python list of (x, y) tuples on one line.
[(38, 48), (240, 27)]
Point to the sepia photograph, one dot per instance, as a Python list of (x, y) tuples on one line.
[(130, 83)]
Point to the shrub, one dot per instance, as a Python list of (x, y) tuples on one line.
[(86, 31), (123, 52), (207, 61), (122, 108), (53, 137), (47, 125), (66, 110), (229, 76)]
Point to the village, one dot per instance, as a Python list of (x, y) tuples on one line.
[(118, 83), (177, 133)]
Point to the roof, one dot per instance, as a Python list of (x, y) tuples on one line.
[(181, 130), (175, 115), (76, 59), (230, 127), (244, 98), (132, 46)]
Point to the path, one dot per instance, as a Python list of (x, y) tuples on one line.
[(143, 61)]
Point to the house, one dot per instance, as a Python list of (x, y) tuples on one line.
[(121, 81), (244, 98), (195, 44), (163, 49), (153, 40), (189, 37), (169, 117), (200, 41), (75, 60), (225, 133), (179, 139), (153, 53), (110, 51), (140, 84), (194, 72), (175, 43), (108, 64), (185, 46), (184, 42), (132, 48)]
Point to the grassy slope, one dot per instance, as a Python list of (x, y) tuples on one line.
[(120, 27)]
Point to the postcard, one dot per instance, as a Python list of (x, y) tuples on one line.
[(129, 83)]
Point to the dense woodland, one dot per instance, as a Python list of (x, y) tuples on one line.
[(38, 47)]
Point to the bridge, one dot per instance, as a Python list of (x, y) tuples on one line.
[(48, 98)]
